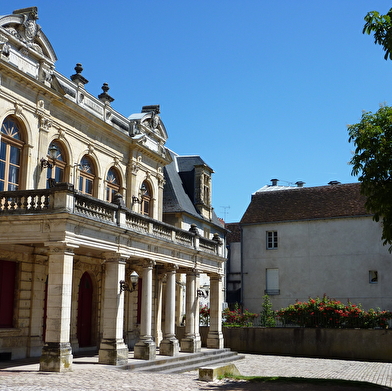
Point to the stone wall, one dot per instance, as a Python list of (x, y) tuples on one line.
[(355, 344)]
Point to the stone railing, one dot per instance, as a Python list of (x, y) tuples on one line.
[(94, 208), (63, 198), (24, 201)]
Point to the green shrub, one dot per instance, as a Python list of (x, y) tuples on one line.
[(267, 314)]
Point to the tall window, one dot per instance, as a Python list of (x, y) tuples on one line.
[(272, 240), (10, 155), (146, 207), (87, 176), (7, 293), (112, 184), (55, 172)]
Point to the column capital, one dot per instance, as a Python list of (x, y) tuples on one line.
[(147, 263), (193, 271), (60, 247), (171, 267), (215, 276), (114, 257)]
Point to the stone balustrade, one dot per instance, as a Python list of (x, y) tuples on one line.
[(63, 198)]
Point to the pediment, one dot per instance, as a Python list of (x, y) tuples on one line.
[(21, 31), (148, 123)]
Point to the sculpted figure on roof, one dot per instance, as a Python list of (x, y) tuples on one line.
[(22, 26)]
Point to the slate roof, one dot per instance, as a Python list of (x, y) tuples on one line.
[(174, 195), (187, 163), (306, 203), (176, 199)]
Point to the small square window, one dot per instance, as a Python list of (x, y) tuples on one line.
[(373, 277), (272, 240)]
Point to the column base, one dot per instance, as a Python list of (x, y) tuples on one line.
[(145, 350), (56, 357), (215, 340), (169, 347), (191, 344), (113, 352)]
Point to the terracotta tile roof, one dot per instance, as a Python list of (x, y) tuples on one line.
[(234, 234), (306, 203)]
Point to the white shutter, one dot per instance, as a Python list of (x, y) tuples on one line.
[(272, 282)]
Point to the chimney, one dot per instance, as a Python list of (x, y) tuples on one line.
[(274, 182), (300, 184), (332, 183)]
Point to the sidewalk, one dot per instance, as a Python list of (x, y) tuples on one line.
[(89, 375)]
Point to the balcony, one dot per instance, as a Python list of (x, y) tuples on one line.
[(62, 198)]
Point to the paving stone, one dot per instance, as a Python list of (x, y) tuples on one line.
[(88, 375)]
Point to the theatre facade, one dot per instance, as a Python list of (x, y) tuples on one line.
[(104, 232)]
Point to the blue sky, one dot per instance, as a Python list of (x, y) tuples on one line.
[(259, 89)]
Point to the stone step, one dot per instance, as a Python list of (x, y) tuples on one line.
[(198, 365), (183, 360), (192, 363)]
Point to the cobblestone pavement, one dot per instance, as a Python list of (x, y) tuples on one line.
[(87, 374)]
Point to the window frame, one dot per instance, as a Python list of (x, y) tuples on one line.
[(59, 165), (11, 139), (146, 199), (87, 174), (112, 187), (271, 240)]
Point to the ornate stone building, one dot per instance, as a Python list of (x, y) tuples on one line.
[(91, 254)]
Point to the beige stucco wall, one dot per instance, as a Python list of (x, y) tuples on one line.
[(318, 257)]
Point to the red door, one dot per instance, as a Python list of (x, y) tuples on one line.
[(85, 310), (7, 293)]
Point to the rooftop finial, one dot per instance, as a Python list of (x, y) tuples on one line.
[(105, 97), (77, 77)]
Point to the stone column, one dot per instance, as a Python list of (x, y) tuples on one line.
[(191, 342), (158, 309), (145, 349), (57, 352), (112, 350), (37, 309), (169, 345), (215, 335)]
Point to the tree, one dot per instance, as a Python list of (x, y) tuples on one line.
[(381, 26), (372, 161)]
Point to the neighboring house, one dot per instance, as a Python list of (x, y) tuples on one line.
[(300, 242), (90, 251)]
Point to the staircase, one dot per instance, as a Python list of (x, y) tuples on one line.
[(184, 362)]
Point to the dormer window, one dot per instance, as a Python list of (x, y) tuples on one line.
[(206, 190)]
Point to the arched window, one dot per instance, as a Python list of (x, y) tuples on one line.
[(10, 155), (112, 184), (87, 176), (56, 169), (146, 198)]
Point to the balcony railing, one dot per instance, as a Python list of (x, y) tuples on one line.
[(63, 198)]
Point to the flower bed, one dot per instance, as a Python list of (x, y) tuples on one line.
[(331, 313)]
